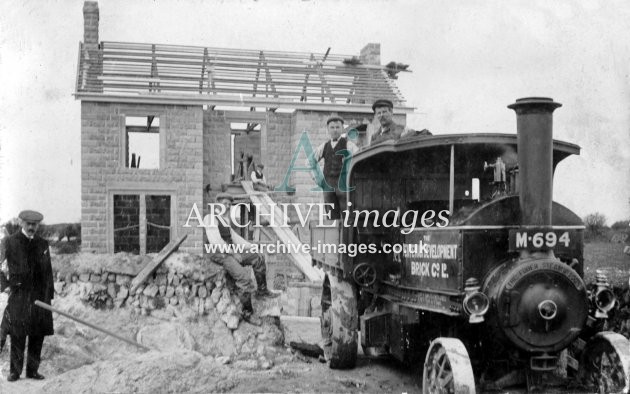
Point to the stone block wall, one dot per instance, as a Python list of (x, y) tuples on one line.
[(275, 147), (103, 171), (183, 281), (216, 151)]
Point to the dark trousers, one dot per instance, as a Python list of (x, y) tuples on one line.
[(338, 199), (33, 355), (235, 265)]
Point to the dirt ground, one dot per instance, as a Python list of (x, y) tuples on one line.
[(82, 360), (124, 369)]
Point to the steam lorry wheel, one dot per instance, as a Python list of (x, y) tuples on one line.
[(447, 368), (339, 322), (605, 363)]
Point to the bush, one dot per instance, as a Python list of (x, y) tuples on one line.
[(12, 226), (69, 247)]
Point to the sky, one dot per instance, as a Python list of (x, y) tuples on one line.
[(469, 60)]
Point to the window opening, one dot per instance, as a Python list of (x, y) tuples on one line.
[(127, 223), (142, 142), (158, 214)]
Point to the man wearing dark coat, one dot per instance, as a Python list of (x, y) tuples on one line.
[(390, 130), (30, 278)]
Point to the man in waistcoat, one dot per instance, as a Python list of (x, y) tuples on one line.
[(30, 278), (390, 130), (258, 178), (221, 233), (332, 152)]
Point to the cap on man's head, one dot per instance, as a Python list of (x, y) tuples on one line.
[(225, 196), (361, 127), (382, 103), (262, 167), (334, 119), (31, 216)]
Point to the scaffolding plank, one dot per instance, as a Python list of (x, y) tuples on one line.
[(157, 260), (301, 260)]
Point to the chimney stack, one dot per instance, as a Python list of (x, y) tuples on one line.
[(92, 58), (534, 127), (371, 54), (90, 24)]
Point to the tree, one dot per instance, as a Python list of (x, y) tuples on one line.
[(595, 223)]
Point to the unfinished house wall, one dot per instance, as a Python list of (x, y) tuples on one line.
[(106, 176), (276, 148), (275, 153), (216, 151)]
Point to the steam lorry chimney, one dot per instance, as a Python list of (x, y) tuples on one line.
[(534, 121)]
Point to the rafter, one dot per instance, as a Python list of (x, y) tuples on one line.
[(167, 70)]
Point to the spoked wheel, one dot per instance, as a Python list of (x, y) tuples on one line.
[(447, 368), (605, 363), (364, 274), (339, 323)]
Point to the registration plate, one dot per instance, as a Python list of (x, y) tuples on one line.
[(542, 239)]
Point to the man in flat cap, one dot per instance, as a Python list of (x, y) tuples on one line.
[(332, 152), (390, 130), (220, 232), (30, 278)]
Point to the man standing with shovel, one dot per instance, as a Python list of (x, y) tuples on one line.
[(30, 279)]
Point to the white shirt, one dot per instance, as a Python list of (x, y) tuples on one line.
[(27, 236), (319, 152), (255, 178)]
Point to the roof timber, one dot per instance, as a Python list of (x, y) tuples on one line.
[(213, 76)]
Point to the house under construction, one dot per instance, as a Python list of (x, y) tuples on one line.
[(160, 122)]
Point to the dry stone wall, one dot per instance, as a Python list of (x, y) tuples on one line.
[(184, 281), (187, 282)]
